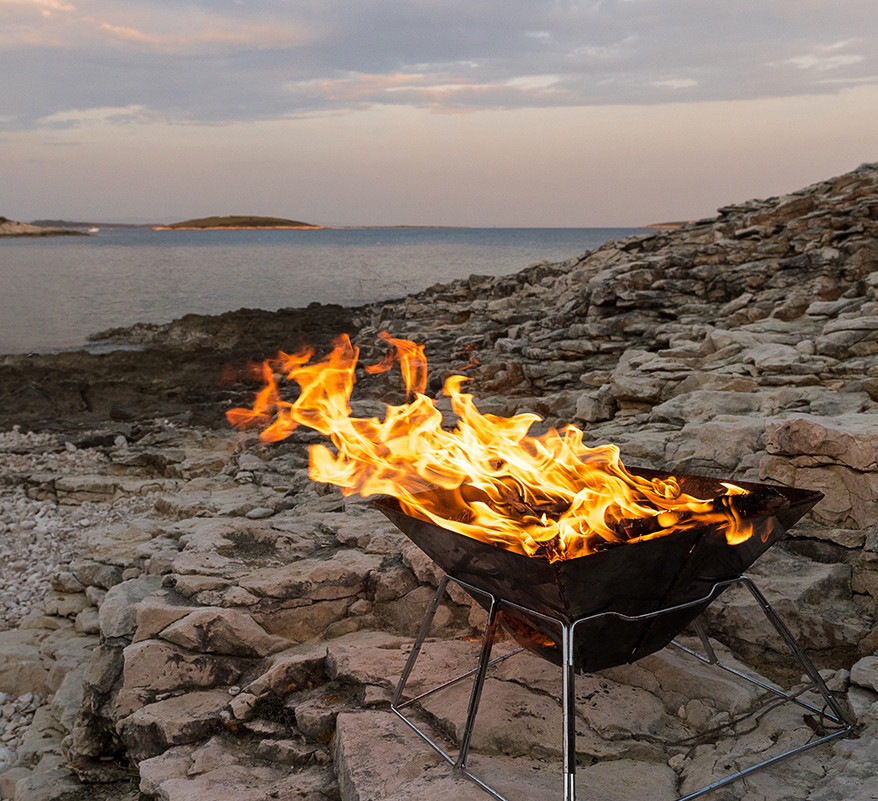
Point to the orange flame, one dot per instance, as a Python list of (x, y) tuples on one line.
[(547, 495)]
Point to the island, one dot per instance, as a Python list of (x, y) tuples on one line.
[(239, 221), (12, 228)]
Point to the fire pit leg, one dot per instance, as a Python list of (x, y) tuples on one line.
[(485, 661), (568, 711), (478, 683), (806, 664), (419, 641)]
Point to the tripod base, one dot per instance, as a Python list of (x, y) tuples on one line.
[(832, 714)]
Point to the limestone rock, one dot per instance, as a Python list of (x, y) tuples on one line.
[(181, 719), (218, 770), (865, 672), (153, 668), (222, 631), (118, 610), (367, 743), (295, 669), (341, 576), (849, 440), (21, 667)]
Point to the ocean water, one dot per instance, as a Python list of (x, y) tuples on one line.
[(56, 291)]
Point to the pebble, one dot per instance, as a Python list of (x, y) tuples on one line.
[(259, 513), (55, 533)]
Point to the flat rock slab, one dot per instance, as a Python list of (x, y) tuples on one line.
[(378, 658), (222, 768), (379, 758), (341, 576), (183, 719)]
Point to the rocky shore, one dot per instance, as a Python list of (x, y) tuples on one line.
[(186, 616)]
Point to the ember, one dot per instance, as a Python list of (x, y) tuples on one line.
[(548, 495)]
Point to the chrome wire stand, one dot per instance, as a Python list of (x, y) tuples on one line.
[(832, 713)]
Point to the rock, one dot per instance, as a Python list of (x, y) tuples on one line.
[(592, 407), (368, 743), (153, 668), (259, 513), (174, 721), (298, 668), (158, 611), (43, 736), (703, 405), (88, 621), (286, 752), (10, 778), (850, 440), (222, 631), (68, 698), (253, 784), (424, 568), (642, 378), (341, 576), (851, 496), (65, 604), (865, 673), (316, 718), (722, 446), (50, 785), (814, 600), (21, 667), (298, 622), (118, 610)]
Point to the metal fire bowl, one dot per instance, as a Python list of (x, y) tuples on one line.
[(633, 579)]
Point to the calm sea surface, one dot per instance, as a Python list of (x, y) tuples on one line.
[(54, 292)]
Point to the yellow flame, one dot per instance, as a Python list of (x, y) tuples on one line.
[(487, 478)]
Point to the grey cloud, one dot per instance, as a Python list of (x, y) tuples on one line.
[(455, 55)]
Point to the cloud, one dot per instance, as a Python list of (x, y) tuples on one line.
[(675, 83), (40, 5), (77, 118), (256, 37), (437, 90), (226, 61), (829, 57)]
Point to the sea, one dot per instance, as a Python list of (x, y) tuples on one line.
[(55, 292)]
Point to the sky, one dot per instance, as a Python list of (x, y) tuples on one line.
[(428, 112)]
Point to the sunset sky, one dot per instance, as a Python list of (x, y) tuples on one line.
[(447, 112)]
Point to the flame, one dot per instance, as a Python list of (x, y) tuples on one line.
[(547, 495)]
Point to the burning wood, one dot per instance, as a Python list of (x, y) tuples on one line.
[(547, 495), (761, 502)]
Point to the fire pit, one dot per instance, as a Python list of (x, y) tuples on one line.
[(656, 574), (573, 613), (587, 563)]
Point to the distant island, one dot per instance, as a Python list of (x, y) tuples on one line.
[(87, 225), (235, 221), (12, 228)]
